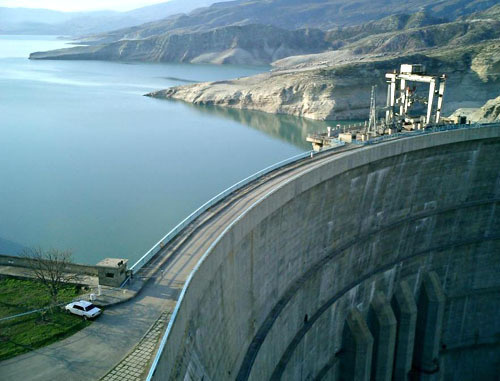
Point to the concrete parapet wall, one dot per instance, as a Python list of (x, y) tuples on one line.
[(271, 296), (11, 260)]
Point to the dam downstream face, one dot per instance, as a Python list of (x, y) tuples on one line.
[(397, 241)]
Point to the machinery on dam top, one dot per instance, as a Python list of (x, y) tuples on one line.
[(409, 106)]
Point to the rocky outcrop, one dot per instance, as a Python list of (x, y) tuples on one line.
[(305, 94), (488, 113), (342, 90)]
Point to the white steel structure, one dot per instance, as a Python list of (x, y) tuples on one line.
[(372, 122), (407, 96), (400, 116)]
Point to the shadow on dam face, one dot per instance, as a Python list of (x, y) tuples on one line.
[(380, 264)]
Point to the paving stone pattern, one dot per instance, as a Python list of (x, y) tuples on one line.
[(135, 365)]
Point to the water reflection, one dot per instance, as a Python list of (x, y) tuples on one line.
[(289, 128)]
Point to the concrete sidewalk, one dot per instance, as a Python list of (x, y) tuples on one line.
[(135, 366)]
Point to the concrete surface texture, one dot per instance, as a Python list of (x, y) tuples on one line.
[(358, 241)]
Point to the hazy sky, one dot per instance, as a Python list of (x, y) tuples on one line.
[(80, 5)]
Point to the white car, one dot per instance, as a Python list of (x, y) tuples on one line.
[(83, 308)]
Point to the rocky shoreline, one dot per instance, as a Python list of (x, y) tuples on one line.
[(342, 90)]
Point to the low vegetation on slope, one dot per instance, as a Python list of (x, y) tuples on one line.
[(29, 332)]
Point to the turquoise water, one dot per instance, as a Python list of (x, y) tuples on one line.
[(89, 164)]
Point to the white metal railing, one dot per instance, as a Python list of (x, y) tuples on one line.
[(176, 230), (202, 209), (446, 127), (31, 312)]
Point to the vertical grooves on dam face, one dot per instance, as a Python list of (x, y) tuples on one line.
[(285, 358), (258, 340)]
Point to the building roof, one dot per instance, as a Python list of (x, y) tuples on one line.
[(112, 262)]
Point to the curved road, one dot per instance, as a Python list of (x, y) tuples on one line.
[(92, 352)]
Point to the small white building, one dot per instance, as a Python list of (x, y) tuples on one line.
[(112, 271)]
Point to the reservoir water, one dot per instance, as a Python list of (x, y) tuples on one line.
[(89, 164)]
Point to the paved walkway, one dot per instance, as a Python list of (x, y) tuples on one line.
[(136, 365)]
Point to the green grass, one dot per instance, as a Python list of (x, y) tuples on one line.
[(33, 331)]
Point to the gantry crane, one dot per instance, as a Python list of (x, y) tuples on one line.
[(407, 95)]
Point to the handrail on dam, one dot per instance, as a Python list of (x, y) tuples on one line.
[(446, 127), (202, 209), (223, 194)]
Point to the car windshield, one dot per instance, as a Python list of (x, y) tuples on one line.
[(89, 307)]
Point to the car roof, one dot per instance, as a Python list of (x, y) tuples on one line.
[(83, 303)]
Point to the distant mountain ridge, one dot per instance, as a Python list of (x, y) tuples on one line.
[(298, 14), (45, 21), (263, 44), (245, 44)]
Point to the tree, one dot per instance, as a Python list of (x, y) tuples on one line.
[(50, 267)]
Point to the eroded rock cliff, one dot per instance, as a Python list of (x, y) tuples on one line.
[(488, 113), (341, 90)]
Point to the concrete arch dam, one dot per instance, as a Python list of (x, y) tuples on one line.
[(382, 263)]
